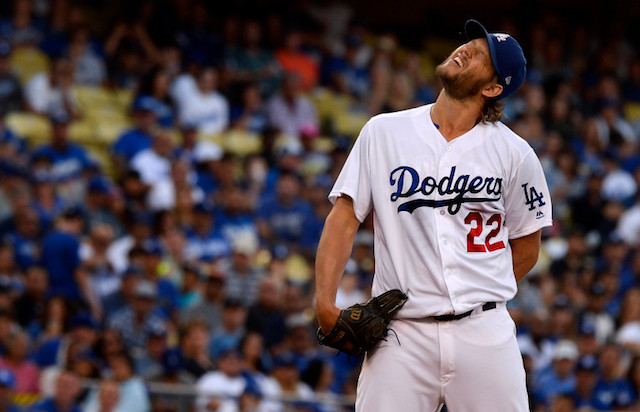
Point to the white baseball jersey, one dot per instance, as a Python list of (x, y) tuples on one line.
[(444, 211)]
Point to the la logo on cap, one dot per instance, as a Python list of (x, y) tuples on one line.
[(507, 80), (501, 37)]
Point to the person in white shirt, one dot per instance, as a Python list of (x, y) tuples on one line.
[(51, 93), (201, 106), (219, 388), (154, 164)]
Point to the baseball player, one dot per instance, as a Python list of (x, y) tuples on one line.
[(459, 202)]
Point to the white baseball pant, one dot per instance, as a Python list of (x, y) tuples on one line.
[(472, 364)]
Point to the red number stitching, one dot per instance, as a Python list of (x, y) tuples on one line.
[(498, 245), (474, 232), (477, 231)]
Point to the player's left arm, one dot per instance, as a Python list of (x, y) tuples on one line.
[(525, 252)]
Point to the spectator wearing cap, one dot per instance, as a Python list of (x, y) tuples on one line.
[(137, 321), (204, 240), (283, 218), (16, 360), (99, 205), (154, 163), (11, 95), (595, 312), (52, 93), (148, 363), (194, 347), (560, 377), (209, 310), (172, 374), (289, 111), (243, 279), (284, 381), (68, 160), (165, 193), (139, 138), (586, 378), (123, 296), (231, 330), (226, 384), (168, 299), (612, 388), (67, 389), (61, 258), (107, 399), (203, 106), (7, 384)]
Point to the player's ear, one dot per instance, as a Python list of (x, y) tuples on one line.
[(492, 89)]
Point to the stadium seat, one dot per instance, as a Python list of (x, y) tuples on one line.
[(28, 61), (33, 127)]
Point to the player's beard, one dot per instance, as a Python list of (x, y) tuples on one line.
[(460, 86)]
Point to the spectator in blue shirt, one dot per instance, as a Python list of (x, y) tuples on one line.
[(68, 160), (283, 218), (67, 389), (139, 138), (60, 256), (560, 377), (611, 389), (203, 238), (586, 377)]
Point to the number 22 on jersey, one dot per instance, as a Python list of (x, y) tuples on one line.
[(476, 221)]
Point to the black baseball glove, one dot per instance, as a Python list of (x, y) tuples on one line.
[(361, 326)]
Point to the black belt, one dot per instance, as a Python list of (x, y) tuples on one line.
[(446, 318)]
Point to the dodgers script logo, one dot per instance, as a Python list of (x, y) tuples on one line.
[(407, 182)]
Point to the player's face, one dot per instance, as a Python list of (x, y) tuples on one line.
[(467, 71)]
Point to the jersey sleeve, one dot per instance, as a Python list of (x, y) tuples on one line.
[(527, 199), (355, 177)]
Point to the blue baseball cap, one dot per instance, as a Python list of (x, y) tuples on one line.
[(7, 379), (506, 55), (144, 104)]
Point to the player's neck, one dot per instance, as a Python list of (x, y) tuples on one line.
[(454, 117)]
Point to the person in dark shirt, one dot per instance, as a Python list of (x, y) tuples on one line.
[(266, 317), (31, 305)]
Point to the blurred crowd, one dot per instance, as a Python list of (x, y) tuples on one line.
[(181, 249)]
